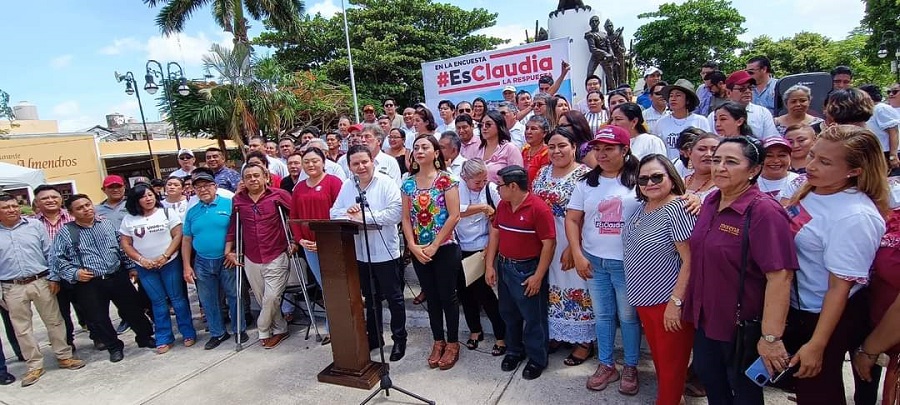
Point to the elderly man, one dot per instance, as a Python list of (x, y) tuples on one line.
[(203, 232), (25, 281), (86, 253), (659, 106), (186, 163), (369, 114), (258, 143), (409, 127), (516, 128), (226, 178), (764, 91), (450, 145), (372, 137), (740, 90)]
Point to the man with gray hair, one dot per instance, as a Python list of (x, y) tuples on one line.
[(516, 129), (450, 146), (372, 136)]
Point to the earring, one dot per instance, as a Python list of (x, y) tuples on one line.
[(437, 164), (414, 166)]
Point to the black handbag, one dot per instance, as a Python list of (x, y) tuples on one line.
[(748, 331)]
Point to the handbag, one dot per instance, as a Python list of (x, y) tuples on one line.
[(748, 331), (473, 267)]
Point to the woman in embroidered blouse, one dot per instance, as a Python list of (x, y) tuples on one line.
[(571, 315), (431, 201), (838, 219), (700, 182), (497, 149), (534, 153)]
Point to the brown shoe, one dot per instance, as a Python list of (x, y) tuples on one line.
[(602, 377), (32, 376), (436, 352), (71, 363), (275, 340), (451, 355), (629, 383)]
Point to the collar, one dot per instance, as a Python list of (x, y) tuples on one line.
[(471, 140), (63, 216), (458, 160), (212, 203), (106, 203), (741, 204), (22, 221)]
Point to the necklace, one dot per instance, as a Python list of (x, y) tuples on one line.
[(702, 186)]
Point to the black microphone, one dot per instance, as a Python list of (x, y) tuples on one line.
[(361, 199)]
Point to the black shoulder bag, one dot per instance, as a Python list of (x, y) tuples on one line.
[(748, 331)]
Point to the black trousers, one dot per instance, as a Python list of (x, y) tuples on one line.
[(10, 334), (67, 300), (476, 296), (387, 287), (95, 296), (438, 279)]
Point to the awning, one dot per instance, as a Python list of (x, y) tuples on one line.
[(160, 147)]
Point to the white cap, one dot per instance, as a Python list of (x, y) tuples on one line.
[(185, 152), (509, 88), (651, 70)]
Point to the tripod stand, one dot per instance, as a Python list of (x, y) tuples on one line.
[(386, 384), (238, 279)]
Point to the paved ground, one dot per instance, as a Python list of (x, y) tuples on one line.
[(287, 375)]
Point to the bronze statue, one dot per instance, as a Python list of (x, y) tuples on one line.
[(601, 51), (569, 5), (617, 45)]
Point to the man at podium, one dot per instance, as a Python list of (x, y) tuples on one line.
[(382, 206)]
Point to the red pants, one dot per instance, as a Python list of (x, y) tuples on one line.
[(671, 353)]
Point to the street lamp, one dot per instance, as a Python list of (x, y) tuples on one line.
[(167, 80), (889, 41), (130, 84)]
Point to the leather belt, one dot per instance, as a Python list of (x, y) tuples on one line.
[(26, 280)]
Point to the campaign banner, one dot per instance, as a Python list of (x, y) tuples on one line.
[(485, 74)]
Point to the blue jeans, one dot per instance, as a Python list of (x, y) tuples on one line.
[(610, 300), (168, 282), (312, 259), (521, 313), (212, 280)]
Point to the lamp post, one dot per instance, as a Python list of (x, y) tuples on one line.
[(350, 59), (889, 41), (167, 80), (130, 85)]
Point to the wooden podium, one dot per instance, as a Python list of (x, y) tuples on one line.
[(353, 365)]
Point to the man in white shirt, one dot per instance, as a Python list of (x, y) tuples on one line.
[(383, 208), (446, 111), (659, 107), (740, 90), (257, 143), (523, 104), (450, 145), (372, 136), (516, 128), (591, 83), (186, 162)]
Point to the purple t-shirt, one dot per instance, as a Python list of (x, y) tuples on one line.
[(712, 291)]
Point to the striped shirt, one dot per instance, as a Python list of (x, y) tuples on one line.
[(98, 251), (652, 262), (61, 221), (596, 120)]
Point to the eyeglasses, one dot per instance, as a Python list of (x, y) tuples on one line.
[(464, 110), (741, 88), (539, 104), (388, 105), (203, 186), (893, 91), (499, 186), (185, 157), (655, 178)]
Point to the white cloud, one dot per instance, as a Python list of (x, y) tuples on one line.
[(183, 48), (78, 123), (120, 46), (325, 7), (61, 61), (66, 109), (70, 117), (514, 33), (128, 108)]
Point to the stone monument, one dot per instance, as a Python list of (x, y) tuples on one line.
[(569, 20)]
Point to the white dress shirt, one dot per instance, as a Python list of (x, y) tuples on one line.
[(455, 166), (517, 132), (385, 207), (384, 164), (759, 119)]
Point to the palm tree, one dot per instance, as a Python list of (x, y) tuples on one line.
[(283, 15)]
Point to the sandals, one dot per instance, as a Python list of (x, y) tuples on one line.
[(189, 342), (572, 360), (163, 349), (451, 355), (437, 352), (498, 350), (326, 340), (419, 298), (472, 344)]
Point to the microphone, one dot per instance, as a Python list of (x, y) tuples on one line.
[(361, 199)]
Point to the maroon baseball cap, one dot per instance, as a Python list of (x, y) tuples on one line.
[(112, 180), (611, 135), (776, 141), (739, 77), (356, 127)]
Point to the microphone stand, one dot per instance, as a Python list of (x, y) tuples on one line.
[(385, 381)]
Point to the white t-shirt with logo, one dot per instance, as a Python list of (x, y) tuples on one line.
[(835, 234), (179, 207), (774, 187), (151, 235), (668, 128), (605, 209)]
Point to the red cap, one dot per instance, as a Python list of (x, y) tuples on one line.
[(611, 135), (776, 141), (357, 127), (112, 179), (739, 77)]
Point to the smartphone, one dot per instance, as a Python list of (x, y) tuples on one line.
[(760, 376)]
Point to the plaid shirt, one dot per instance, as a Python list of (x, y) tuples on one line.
[(53, 229)]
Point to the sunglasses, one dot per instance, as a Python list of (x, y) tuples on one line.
[(893, 91), (655, 178), (465, 110), (185, 157), (388, 105)]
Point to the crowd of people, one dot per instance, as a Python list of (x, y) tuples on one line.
[(732, 239)]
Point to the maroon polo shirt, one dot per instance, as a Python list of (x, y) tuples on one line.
[(263, 231), (711, 298), (522, 231)]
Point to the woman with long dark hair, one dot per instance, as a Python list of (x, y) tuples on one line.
[(497, 150), (479, 109), (731, 120), (597, 114), (575, 121), (630, 117), (431, 200), (151, 237)]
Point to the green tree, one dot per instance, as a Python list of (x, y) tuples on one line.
[(880, 16), (6, 112), (684, 36), (389, 39), (229, 14), (804, 52)]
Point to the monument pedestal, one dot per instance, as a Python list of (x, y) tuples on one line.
[(573, 24)]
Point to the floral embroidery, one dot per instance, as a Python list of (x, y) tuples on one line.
[(556, 191), (428, 207)]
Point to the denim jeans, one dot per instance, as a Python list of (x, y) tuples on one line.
[(607, 288), (166, 282), (527, 329), (212, 280), (312, 259)]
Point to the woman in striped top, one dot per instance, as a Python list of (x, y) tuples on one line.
[(657, 267), (597, 114)]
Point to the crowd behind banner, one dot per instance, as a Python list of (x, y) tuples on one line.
[(749, 249)]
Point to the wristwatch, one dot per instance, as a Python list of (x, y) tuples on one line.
[(677, 301), (770, 338)]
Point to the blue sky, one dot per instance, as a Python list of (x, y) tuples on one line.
[(61, 54)]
